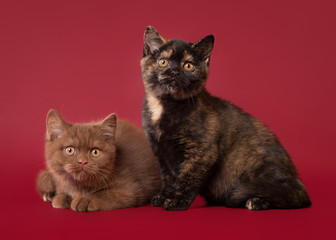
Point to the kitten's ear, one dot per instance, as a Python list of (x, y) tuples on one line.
[(204, 47), (109, 126), (55, 125), (153, 41)]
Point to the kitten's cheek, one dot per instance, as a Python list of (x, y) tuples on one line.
[(69, 168), (66, 168)]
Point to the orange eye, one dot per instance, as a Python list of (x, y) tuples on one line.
[(188, 67), (95, 153), (70, 151), (163, 62)]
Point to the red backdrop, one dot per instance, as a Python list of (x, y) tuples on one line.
[(275, 59)]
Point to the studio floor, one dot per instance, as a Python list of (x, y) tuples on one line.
[(25, 215)]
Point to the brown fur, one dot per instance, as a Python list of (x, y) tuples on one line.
[(124, 175)]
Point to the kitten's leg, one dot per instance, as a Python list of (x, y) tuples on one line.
[(61, 200), (170, 188), (270, 193), (45, 186), (159, 199), (183, 189), (288, 193)]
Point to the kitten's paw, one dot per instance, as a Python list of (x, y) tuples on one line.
[(158, 200), (172, 204), (257, 204), (48, 197), (61, 201), (85, 204)]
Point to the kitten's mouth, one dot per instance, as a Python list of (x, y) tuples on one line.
[(81, 174), (78, 173), (178, 88), (169, 85)]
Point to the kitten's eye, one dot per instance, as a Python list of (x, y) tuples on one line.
[(188, 67), (70, 151), (163, 62), (95, 153)]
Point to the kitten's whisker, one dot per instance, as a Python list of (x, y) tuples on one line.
[(192, 98), (37, 165)]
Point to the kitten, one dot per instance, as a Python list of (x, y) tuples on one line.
[(206, 145), (98, 166)]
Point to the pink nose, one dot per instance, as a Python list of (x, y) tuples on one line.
[(83, 162)]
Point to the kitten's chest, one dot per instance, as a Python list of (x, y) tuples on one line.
[(163, 114), (154, 108), (171, 119), (70, 187)]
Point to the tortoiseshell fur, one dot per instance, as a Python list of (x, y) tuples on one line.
[(206, 145)]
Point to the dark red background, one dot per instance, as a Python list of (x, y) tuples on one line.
[(275, 59)]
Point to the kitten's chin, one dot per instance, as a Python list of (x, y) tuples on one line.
[(176, 93), (170, 85), (81, 175), (168, 88), (77, 173), (172, 88)]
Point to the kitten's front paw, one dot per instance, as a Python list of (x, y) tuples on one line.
[(85, 204), (158, 200), (48, 197), (257, 204), (174, 204), (61, 201)]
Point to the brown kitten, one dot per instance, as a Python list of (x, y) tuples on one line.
[(206, 145), (98, 166)]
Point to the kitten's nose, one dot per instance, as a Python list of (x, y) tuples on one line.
[(83, 162)]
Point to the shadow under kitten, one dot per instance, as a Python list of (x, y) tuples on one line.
[(205, 144), (97, 166)]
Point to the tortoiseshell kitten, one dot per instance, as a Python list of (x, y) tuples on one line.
[(206, 145), (97, 166)]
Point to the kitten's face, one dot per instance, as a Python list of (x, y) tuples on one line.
[(82, 152), (174, 67)]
